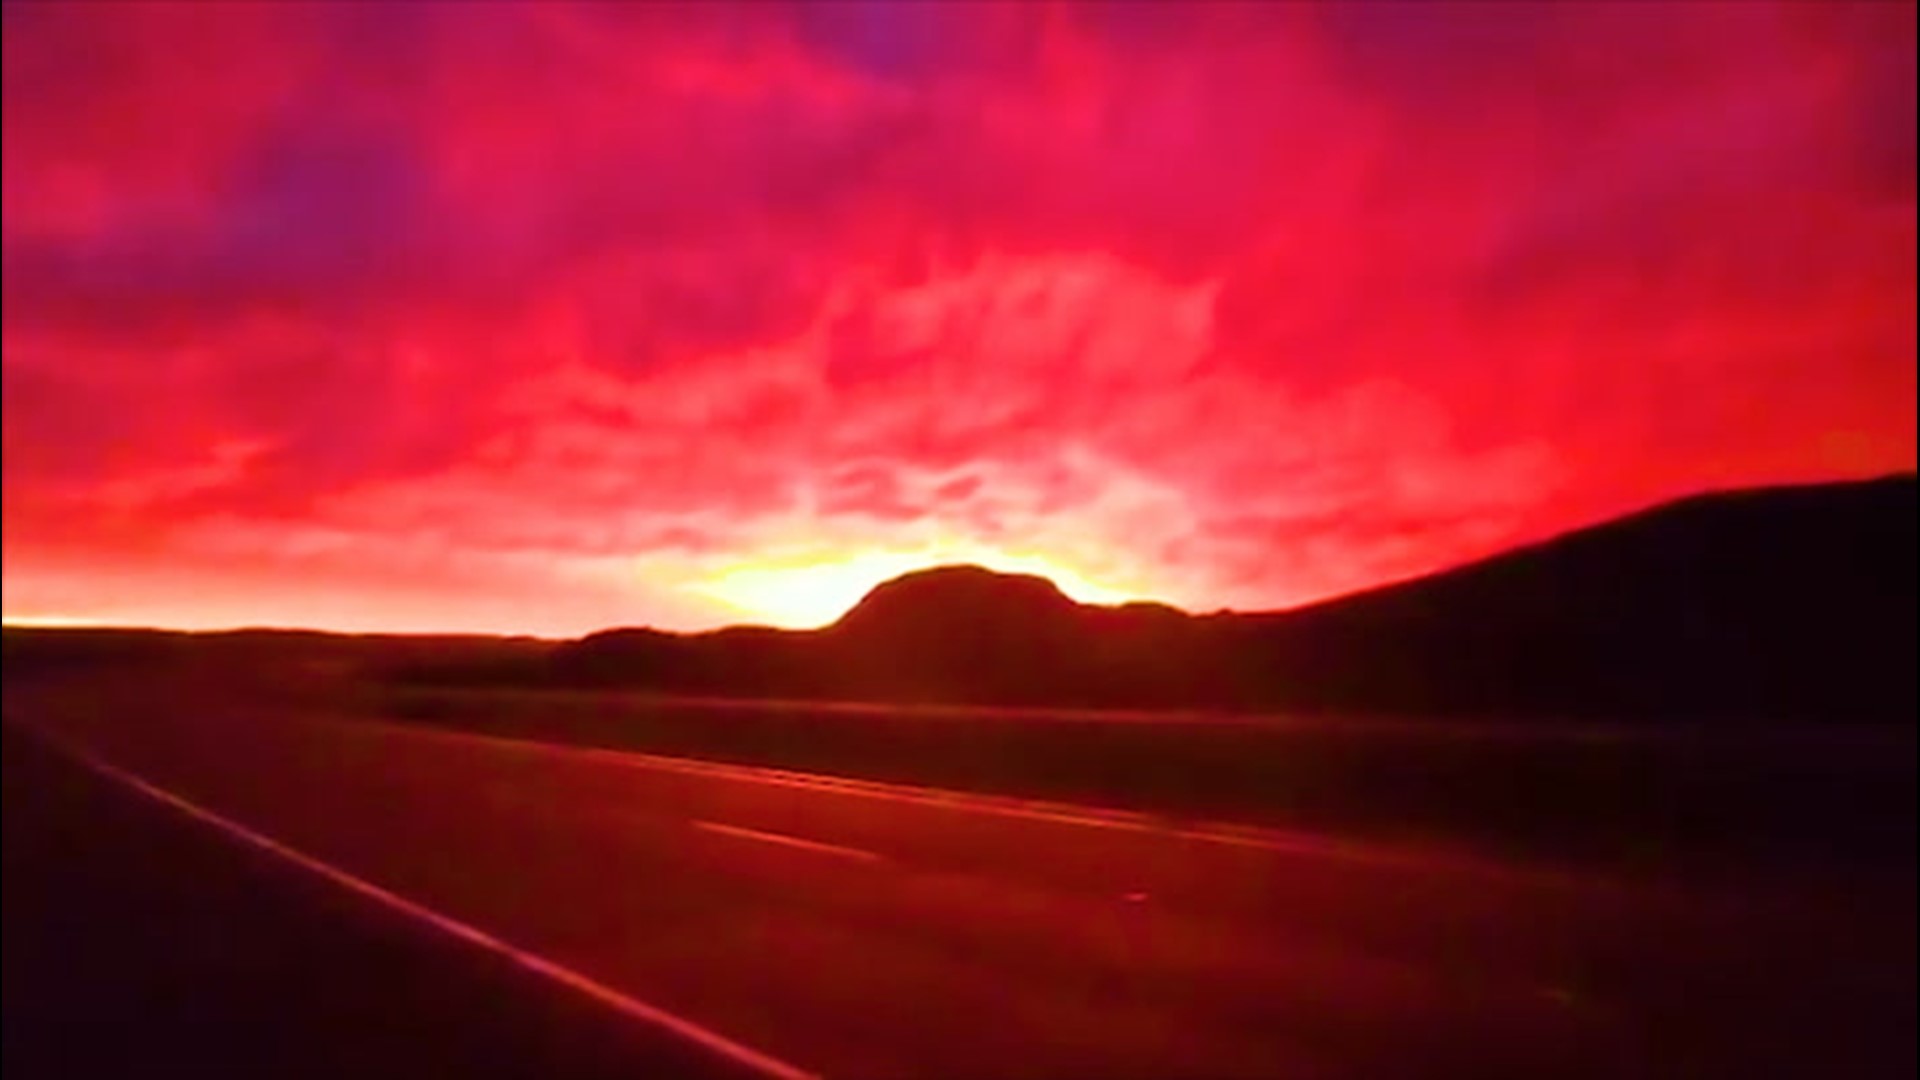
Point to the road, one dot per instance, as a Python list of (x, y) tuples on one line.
[(855, 930), (142, 943)]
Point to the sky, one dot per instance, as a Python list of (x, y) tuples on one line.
[(550, 317)]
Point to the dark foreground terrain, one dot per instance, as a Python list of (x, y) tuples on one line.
[(857, 930)]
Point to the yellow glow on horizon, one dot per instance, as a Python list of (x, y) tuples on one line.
[(52, 622), (808, 592)]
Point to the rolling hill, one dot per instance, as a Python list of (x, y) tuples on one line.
[(1789, 603)]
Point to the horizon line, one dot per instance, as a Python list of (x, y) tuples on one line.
[(69, 622)]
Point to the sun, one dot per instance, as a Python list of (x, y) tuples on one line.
[(809, 592)]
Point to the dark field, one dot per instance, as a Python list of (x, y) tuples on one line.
[(1792, 796)]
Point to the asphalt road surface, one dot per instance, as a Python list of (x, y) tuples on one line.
[(143, 943), (634, 906)]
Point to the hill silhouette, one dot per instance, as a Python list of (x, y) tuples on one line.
[(1772, 603)]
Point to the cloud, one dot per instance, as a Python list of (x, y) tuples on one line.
[(1234, 304)]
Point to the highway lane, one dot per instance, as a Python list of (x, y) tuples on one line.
[(147, 944), (858, 931)]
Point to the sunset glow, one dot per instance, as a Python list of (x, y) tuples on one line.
[(556, 316), (806, 593)]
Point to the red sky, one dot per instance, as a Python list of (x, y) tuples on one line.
[(546, 318)]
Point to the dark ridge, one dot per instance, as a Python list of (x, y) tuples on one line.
[(1783, 603), (968, 596), (1791, 603)]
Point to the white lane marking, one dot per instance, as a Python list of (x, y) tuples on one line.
[(540, 965), (1062, 813), (790, 841)]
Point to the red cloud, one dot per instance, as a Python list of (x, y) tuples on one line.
[(1235, 305)]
